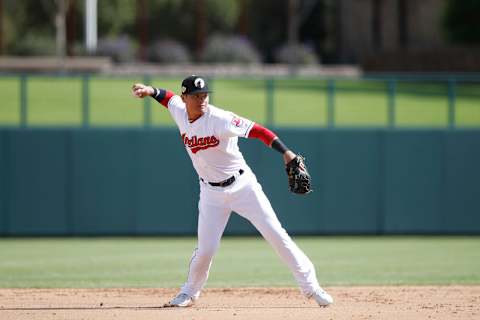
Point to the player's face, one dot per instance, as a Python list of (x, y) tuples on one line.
[(197, 101)]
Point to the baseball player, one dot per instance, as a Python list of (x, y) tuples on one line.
[(227, 184)]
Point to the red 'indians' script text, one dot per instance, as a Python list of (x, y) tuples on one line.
[(196, 144)]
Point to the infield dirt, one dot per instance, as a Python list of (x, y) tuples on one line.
[(389, 302)]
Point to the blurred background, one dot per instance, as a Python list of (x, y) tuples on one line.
[(373, 35), (381, 96), (376, 35)]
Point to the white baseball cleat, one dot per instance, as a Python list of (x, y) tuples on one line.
[(322, 298), (182, 300)]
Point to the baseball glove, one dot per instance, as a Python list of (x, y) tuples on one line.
[(299, 180)]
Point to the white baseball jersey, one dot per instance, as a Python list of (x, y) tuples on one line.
[(212, 140)]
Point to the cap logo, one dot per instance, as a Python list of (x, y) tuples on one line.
[(199, 83), (184, 89)]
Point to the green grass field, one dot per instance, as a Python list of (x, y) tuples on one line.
[(57, 101), (240, 262)]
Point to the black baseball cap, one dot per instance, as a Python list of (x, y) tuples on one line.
[(194, 84)]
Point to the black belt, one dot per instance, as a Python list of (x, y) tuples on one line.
[(226, 182)]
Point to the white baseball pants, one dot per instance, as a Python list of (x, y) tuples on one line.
[(246, 197)]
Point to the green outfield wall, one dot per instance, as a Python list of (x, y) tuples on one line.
[(141, 182)]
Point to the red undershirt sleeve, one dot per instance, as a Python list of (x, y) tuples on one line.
[(163, 96), (262, 133)]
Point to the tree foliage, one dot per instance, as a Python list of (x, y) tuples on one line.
[(30, 25), (461, 21), (178, 19), (115, 17)]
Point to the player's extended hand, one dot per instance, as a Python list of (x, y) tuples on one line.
[(140, 90)]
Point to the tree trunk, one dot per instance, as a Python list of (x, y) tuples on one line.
[(201, 27), (142, 29), (377, 24), (1, 27), (242, 22), (402, 23), (61, 29), (293, 21), (71, 27)]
